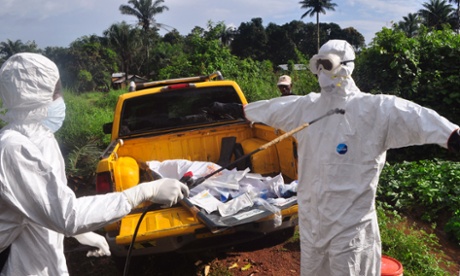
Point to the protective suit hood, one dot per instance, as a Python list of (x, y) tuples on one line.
[(337, 80), (27, 84)]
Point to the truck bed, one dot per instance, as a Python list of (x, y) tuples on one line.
[(170, 122)]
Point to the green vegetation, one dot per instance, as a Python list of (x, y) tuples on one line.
[(423, 68), (416, 249), (81, 137), (139, 49), (426, 189)]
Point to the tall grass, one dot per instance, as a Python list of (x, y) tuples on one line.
[(81, 137)]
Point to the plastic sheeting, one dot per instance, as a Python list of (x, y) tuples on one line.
[(231, 197)]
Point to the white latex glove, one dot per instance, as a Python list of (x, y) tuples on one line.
[(96, 240), (164, 191)]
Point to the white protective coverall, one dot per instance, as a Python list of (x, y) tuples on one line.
[(36, 207), (340, 160), (35, 203)]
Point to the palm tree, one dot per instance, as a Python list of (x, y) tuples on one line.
[(124, 40), (9, 48), (315, 7), (410, 24), (227, 34), (145, 12), (436, 13), (457, 14)]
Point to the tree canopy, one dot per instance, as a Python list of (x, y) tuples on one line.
[(139, 49)]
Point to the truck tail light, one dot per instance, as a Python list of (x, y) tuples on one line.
[(103, 183), (178, 86)]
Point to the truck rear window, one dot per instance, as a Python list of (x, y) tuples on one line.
[(174, 109)]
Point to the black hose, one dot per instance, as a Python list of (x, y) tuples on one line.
[(153, 176), (131, 245)]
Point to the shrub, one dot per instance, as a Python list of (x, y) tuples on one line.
[(425, 188), (416, 249)]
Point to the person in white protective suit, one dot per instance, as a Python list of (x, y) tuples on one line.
[(37, 209), (341, 158)]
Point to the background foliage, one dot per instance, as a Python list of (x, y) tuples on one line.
[(427, 189), (424, 68)]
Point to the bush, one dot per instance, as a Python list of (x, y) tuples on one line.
[(423, 69), (426, 189), (416, 249)]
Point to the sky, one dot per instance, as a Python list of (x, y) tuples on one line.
[(53, 23)]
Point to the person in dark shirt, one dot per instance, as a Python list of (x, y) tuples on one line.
[(285, 85)]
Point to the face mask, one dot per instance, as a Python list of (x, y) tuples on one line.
[(56, 115), (329, 82)]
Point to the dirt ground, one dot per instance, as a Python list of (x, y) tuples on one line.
[(266, 257), (257, 258)]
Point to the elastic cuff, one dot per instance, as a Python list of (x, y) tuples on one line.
[(128, 195)]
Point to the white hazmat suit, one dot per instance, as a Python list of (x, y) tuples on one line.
[(341, 158), (37, 209)]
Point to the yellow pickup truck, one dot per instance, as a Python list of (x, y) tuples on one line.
[(170, 120)]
